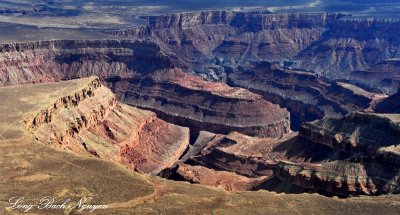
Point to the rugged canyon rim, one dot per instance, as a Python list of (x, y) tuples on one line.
[(293, 103)]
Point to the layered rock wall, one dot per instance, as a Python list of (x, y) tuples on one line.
[(45, 61), (307, 96), (191, 101), (90, 121), (333, 45)]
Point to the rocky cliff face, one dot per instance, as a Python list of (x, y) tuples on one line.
[(46, 61), (329, 44), (259, 51), (389, 105), (339, 178), (46, 115), (364, 157), (306, 95), (200, 37), (130, 68), (384, 75), (355, 155), (356, 132), (347, 47), (91, 121), (191, 101), (218, 45), (225, 46), (252, 20)]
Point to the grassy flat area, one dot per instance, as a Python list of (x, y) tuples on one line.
[(34, 170)]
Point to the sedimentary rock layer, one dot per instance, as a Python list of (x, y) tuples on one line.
[(364, 155), (114, 60), (306, 95), (355, 155), (355, 132), (28, 166), (198, 37), (351, 45), (384, 75), (90, 120), (334, 45), (191, 101), (46, 61)]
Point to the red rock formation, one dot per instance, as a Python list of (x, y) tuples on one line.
[(227, 180), (46, 115), (44, 61), (356, 155), (91, 121), (191, 101), (158, 147), (330, 44), (114, 61)]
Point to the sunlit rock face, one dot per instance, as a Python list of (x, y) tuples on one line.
[(91, 122), (141, 75), (201, 105)]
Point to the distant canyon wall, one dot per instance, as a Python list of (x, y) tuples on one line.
[(45, 61), (333, 45)]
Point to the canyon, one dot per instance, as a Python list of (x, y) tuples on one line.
[(355, 155), (191, 101), (91, 121), (246, 101), (225, 46), (332, 45), (36, 168)]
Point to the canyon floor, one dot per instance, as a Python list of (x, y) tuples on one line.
[(33, 170)]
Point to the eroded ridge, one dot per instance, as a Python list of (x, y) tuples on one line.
[(91, 121), (201, 105), (354, 155)]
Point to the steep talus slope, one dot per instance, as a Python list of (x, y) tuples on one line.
[(90, 120), (191, 101)]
